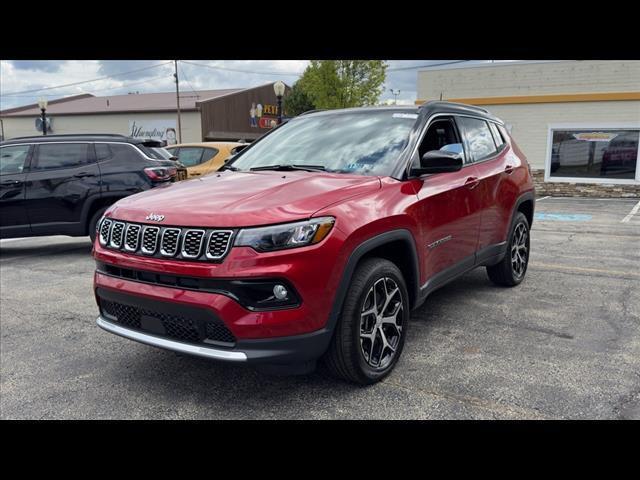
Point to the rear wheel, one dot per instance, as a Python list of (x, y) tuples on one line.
[(513, 267), (370, 333)]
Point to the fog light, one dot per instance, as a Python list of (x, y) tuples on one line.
[(280, 292)]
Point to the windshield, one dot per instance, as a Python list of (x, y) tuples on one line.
[(364, 142)]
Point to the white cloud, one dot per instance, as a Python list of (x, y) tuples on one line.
[(29, 75)]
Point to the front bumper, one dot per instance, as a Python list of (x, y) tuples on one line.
[(274, 351)]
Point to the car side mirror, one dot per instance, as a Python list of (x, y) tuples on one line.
[(439, 161)]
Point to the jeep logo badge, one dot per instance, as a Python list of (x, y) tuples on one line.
[(154, 217)]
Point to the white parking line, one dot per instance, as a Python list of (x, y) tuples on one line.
[(538, 199), (633, 211)]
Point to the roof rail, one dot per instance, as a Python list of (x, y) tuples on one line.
[(74, 135), (466, 105)]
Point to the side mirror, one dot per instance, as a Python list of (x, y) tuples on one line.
[(439, 161)]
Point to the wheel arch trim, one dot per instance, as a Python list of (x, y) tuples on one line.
[(359, 252)]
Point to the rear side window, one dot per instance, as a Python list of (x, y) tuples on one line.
[(479, 138), (209, 153), (60, 155), (12, 159), (497, 136), (190, 156), (103, 151)]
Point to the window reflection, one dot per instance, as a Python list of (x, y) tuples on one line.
[(594, 153)]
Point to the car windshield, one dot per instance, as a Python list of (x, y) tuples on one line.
[(360, 142)]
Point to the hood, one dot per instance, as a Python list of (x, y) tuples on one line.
[(237, 199)]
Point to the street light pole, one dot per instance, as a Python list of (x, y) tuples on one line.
[(395, 95), (278, 88), (42, 103)]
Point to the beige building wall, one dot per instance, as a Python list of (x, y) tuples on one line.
[(530, 122), (585, 76), (110, 123)]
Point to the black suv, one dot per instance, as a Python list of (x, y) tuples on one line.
[(62, 184)]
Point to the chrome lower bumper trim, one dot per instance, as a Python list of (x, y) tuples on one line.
[(142, 337)]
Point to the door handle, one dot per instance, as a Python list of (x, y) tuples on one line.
[(9, 183), (472, 182), (508, 169), (84, 174), (196, 173)]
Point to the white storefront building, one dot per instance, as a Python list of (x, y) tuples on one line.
[(578, 122)]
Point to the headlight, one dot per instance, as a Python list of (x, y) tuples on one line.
[(288, 235)]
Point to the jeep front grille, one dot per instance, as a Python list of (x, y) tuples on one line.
[(150, 240), (218, 244), (105, 230), (191, 244), (169, 243), (117, 232), (132, 237)]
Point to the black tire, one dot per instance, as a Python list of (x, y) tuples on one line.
[(93, 222), (506, 273), (346, 357)]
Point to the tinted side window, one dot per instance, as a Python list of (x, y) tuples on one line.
[(496, 135), (12, 159), (441, 135), (479, 138), (124, 152), (60, 155), (190, 156), (103, 152), (209, 153)]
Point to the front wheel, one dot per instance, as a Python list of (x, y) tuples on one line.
[(93, 222), (370, 333), (511, 270)]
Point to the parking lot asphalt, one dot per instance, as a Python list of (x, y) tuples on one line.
[(563, 344)]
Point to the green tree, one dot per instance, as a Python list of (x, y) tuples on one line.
[(296, 101), (343, 83)]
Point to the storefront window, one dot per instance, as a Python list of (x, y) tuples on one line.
[(594, 153)]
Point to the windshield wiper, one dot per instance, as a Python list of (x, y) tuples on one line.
[(228, 167), (310, 168)]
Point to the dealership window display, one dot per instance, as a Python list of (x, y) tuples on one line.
[(600, 154)]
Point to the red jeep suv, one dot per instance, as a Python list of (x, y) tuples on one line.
[(318, 240)]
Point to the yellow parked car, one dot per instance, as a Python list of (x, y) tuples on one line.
[(202, 158)]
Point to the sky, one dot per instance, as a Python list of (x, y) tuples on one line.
[(19, 79)]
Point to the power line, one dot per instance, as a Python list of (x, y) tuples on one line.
[(186, 79), (424, 66), (124, 85), (87, 81), (214, 67)]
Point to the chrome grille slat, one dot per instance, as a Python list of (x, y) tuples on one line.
[(218, 244), (170, 241), (105, 231), (132, 237), (174, 242), (150, 240), (117, 232), (192, 243)]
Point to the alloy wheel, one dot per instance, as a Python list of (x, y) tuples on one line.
[(519, 250), (381, 320)]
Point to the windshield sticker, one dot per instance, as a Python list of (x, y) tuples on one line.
[(405, 115)]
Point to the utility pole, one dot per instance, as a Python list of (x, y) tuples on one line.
[(175, 63)]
